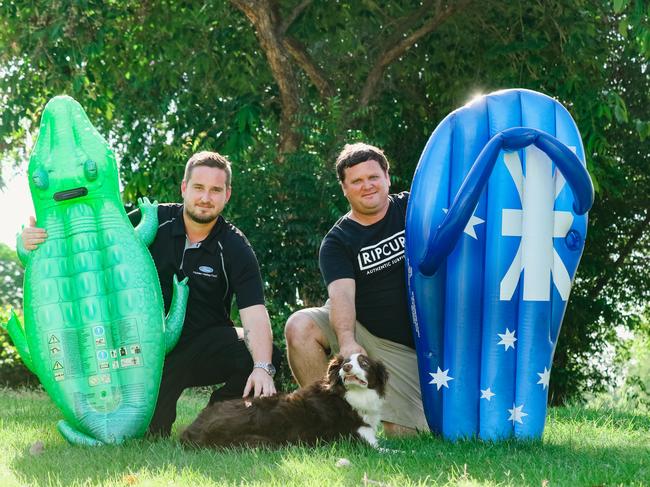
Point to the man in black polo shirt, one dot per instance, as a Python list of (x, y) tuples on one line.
[(195, 241), (362, 262)]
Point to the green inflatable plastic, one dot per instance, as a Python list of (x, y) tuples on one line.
[(95, 332)]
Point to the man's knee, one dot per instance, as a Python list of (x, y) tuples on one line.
[(301, 329)]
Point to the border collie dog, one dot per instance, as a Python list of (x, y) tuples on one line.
[(346, 403)]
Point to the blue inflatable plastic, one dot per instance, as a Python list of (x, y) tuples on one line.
[(495, 228)]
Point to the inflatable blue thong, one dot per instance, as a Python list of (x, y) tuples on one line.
[(495, 228)]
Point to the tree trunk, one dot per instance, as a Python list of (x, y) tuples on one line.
[(264, 16)]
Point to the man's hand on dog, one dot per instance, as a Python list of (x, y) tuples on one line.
[(259, 383), (33, 236), (351, 347)]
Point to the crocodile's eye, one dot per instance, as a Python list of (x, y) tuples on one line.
[(90, 170), (41, 178)]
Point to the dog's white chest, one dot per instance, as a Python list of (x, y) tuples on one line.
[(367, 403)]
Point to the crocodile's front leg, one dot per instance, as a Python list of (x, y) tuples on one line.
[(76, 437), (148, 226), (17, 334), (176, 316)]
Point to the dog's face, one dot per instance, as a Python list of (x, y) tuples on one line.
[(358, 371)]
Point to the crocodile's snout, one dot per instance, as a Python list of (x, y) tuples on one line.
[(70, 159)]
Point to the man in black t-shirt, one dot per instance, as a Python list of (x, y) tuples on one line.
[(362, 262), (195, 241)]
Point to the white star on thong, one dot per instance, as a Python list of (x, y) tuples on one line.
[(440, 378), (469, 228), (516, 414), (507, 339), (487, 394), (544, 377)]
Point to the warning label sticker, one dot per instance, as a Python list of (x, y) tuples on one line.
[(130, 362)]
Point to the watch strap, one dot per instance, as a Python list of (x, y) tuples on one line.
[(266, 366)]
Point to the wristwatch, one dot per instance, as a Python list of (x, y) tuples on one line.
[(266, 366)]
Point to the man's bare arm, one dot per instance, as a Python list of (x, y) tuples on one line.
[(343, 315), (259, 340)]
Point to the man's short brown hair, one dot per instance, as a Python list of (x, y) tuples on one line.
[(209, 159), (353, 154)]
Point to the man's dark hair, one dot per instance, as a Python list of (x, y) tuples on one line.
[(353, 154), (209, 159)]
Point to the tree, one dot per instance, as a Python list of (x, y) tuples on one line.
[(405, 25), (613, 285), (280, 86)]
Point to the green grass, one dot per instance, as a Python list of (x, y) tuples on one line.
[(580, 447)]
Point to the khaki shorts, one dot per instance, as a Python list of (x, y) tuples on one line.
[(403, 403)]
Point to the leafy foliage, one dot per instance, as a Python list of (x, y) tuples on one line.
[(11, 278), (12, 371), (632, 390), (166, 79)]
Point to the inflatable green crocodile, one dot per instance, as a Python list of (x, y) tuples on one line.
[(95, 332)]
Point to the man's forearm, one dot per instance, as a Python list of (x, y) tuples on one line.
[(343, 315), (257, 333), (259, 340), (343, 319)]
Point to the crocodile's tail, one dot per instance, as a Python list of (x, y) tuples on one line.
[(76, 437), (95, 429)]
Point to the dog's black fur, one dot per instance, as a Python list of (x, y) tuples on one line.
[(317, 413)]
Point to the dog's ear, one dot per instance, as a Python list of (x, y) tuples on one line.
[(381, 377), (333, 369)]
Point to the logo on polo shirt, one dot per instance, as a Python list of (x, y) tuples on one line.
[(383, 254), (205, 270)]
